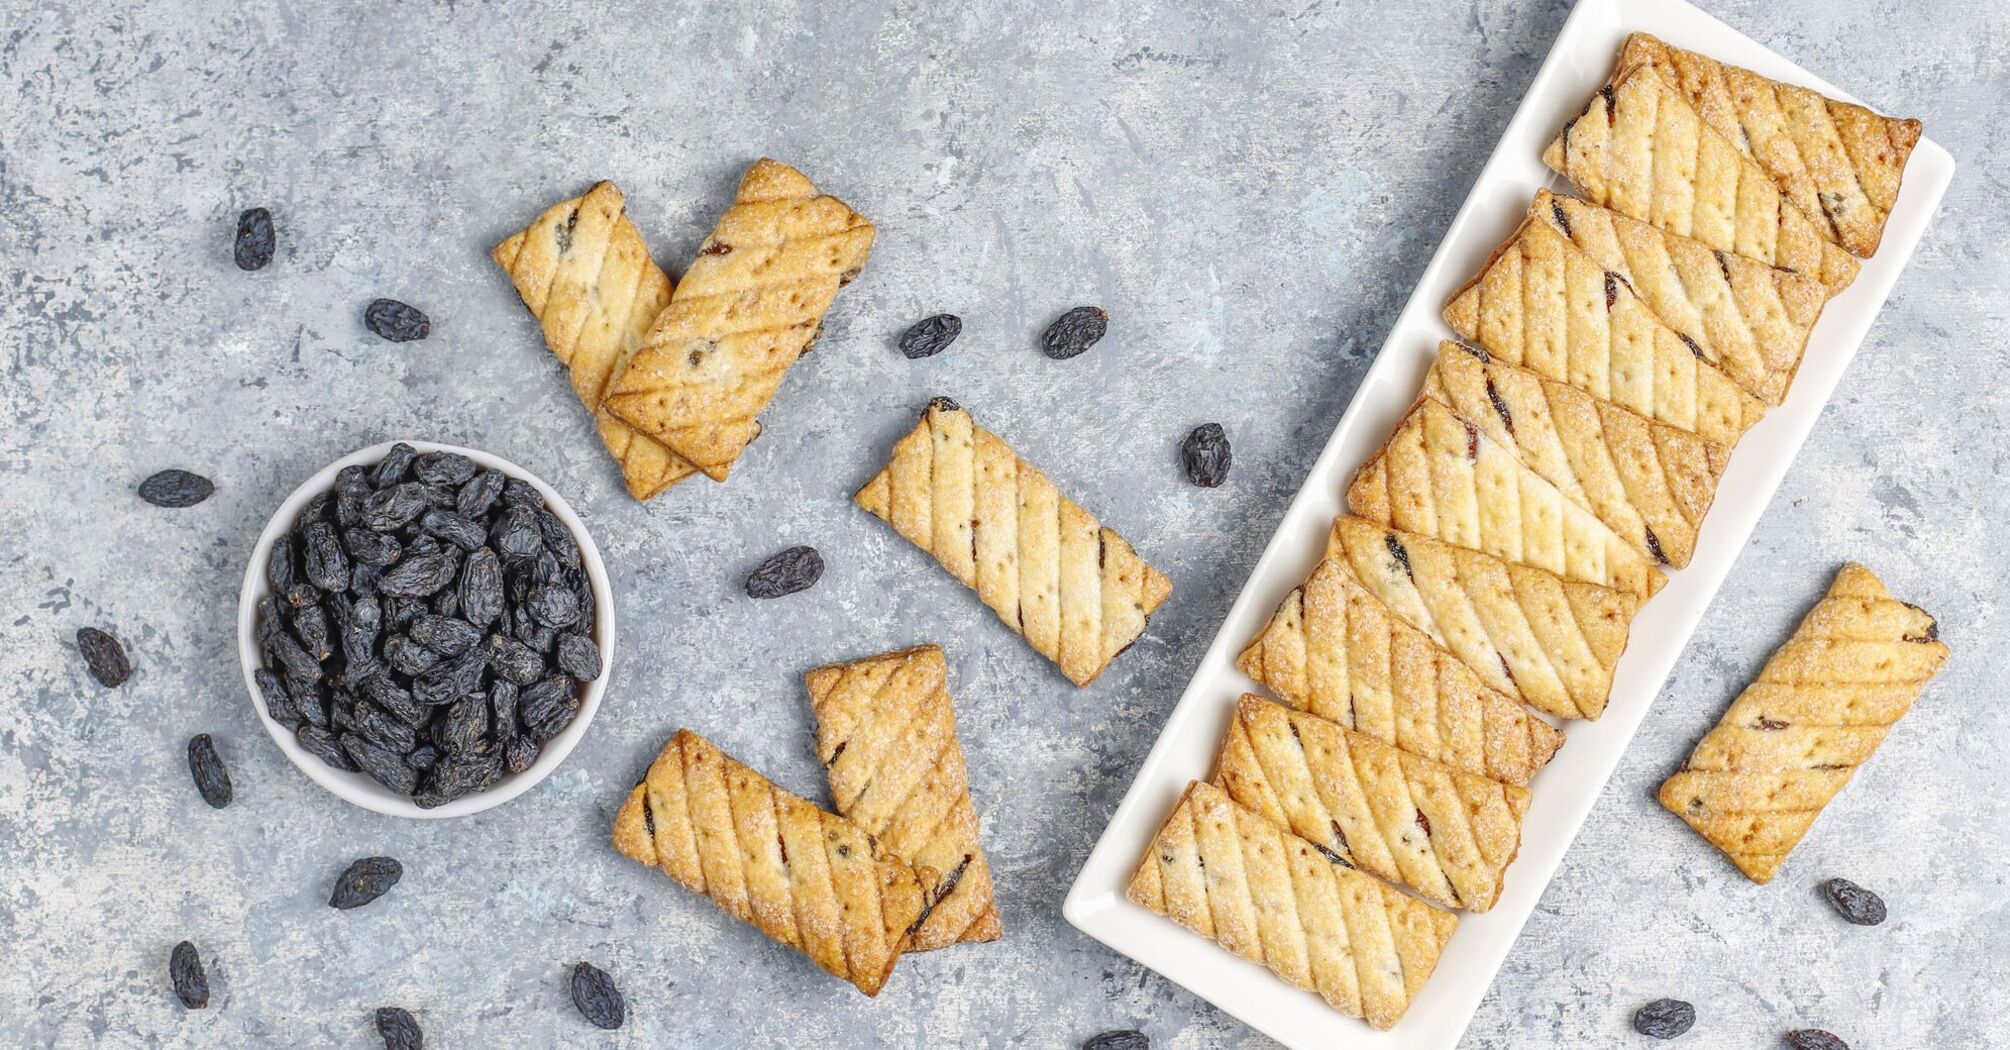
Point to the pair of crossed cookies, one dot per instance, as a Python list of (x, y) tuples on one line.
[(897, 869), (675, 377)]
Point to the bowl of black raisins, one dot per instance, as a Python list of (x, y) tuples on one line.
[(425, 629)]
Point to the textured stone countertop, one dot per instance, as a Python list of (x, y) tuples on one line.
[(1251, 190)]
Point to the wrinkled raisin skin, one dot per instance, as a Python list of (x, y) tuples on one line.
[(212, 780), (396, 322), (255, 241), (176, 489), (1815, 1039), (1854, 903), (104, 656), (1074, 332), (1205, 455), (399, 1029), (365, 881), (191, 984), (930, 336), (1664, 1018), (1120, 1039), (599, 1001), (795, 569)]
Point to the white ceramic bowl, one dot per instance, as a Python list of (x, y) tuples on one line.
[(357, 787)]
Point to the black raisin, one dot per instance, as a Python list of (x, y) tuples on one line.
[(191, 984), (455, 678), (396, 322), (394, 466), (1123, 1039), (211, 779), (467, 720), (443, 468), (418, 576), (383, 765), (326, 564), (396, 700), (557, 538), (554, 606), (388, 508), (310, 700), (423, 757), (384, 729), (1815, 1039), (310, 625), (298, 662), (453, 528), (578, 656), (364, 881), (1205, 455), (515, 534), (409, 657), (104, 657), (278, 705), (359, 635), (252, 248), (1611, 289), (1860, 906), (372, 548), (597, 997), (547, 707), (399, 1029), (794, 569), (479, 494), (519, 754), (446, 636), (514, 661), (503, 696), (481, 589), (316, 740), (517, 492), (930, 336), (458, 775), (279, 571), (1074, 332), (320, 507), (176, 488), (1664, 1018)]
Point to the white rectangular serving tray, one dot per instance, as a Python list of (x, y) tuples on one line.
[(1577, 65)]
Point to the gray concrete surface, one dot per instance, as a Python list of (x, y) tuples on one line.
[(1250, 190)]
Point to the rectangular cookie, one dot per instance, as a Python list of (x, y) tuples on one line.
[(1439, 476), (1445, 833), (1819, 709), (1649, 482), (583, 271), (1546, 306), (1275, 899), (1525, 631), (749, 306), (1072, 588), (1336, 651), (1838, 163), (812, 881), (886, 735), (1640, 149), (1752, 317)]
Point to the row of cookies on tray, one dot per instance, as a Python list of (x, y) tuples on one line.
[(1498, 546)]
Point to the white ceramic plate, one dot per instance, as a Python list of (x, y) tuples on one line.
[(1580, 61), (356, 787)]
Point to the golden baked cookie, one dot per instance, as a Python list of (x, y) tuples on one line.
[(1543, 304), (1649, 482), (812, 881), (1447, 834), (886, 735), (586, 276), (1274, 899), (1336, 651), (1819, 709), (749, 306), (1074, 589), (1640, 149)]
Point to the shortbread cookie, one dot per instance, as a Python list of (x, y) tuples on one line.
[(1336, 651), (1546, 306), (886, 734), (1649, 482), (749, 306), (1447, 834), (1439, 476), (1273, 898), (586, 276), (1075, 590), (1792, 739), (1838, 163), (1752, 317), (812, 881), (1525, 631), (1640, 149)]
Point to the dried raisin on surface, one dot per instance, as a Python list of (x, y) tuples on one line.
[(599, 1001), (391, 507), (1074, 332), (930, 336), (316, 740), (458, 775), (390, 470), (1121, 1039), (418, 576), (478, 496), (364, 881), (448, 636), (443, 468), (185, 972), (547, 707), (176, 488), (385, 766), (253, 246), (395, 321), (1860, 906), (519, 754), (399, 1029), (212, 780), (104, 657), (1205, 455), (1664, 1018), (794, 569), (578, 656), (1815, 1039)]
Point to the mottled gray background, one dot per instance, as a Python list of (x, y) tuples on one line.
[(1250, 190)]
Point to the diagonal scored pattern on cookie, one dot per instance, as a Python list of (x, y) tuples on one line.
[(1640, 149), (886, 735), (1074, 589), (1753, 317), (1818, 710), (586, 275), (1447, 834), (1840, 164), (1543, 305), (1336, 651), (1274, 899), (1441, 476), (751, 304), (1525, 631), (812, 881), (1647, 481)]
